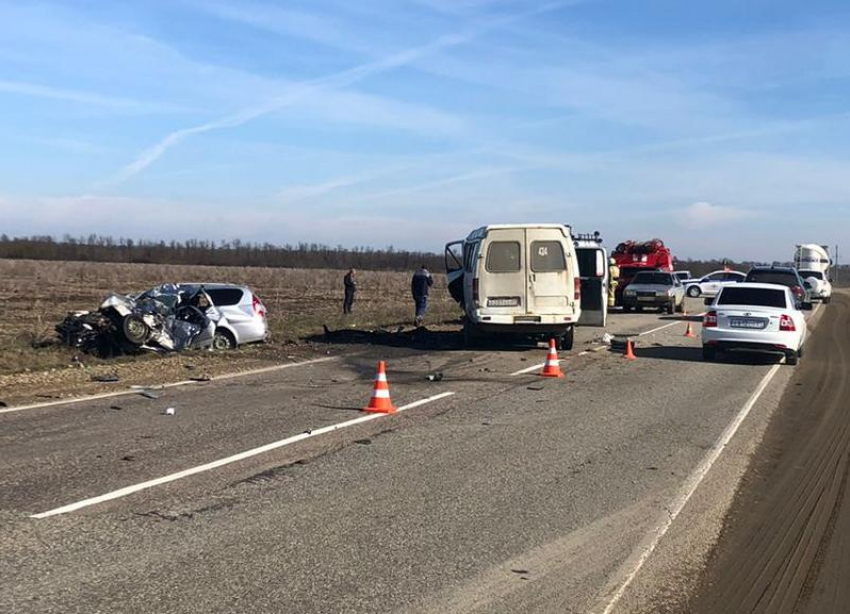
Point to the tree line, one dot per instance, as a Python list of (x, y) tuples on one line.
[(99, 248)]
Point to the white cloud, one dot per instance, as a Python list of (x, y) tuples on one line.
[(705, 214)]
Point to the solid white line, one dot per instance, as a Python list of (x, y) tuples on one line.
[(136, 389), (128, 490), (630, 569)]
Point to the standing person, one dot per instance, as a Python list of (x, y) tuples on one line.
[(613, 281), (419, 286), (350, 284)]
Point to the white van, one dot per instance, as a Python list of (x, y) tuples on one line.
[(519, 279)]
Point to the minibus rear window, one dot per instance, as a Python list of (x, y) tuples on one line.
[(547, 256), (503, 257)]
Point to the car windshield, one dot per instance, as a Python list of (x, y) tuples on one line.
[(683, 275), (763, 297), (783, 278), (807, 274), (664, 279)]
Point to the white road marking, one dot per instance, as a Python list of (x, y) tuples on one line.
[(529, 369), (128, 490), (136, 389), (632, 566)]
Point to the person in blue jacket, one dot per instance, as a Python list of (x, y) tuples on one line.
[(420, 286)]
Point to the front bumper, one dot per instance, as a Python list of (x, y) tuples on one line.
[(648, 301)]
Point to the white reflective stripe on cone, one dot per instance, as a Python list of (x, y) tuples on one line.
[(381, 394), (381, 377)]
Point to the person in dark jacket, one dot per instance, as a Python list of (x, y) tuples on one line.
[(350, 284), (419, 286)]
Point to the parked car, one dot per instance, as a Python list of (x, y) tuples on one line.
[(818, 285), (784, 276), (657, 289), (711, 284), (755, 317), (683, 275), (244, 315)]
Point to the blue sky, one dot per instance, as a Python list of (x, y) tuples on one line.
[(721, 126)]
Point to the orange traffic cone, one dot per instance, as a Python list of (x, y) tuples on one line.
[(552, 368), (380, 402), (690, 332), (630, 350)]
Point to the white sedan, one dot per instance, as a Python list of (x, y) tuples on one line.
[(711, 284), (756, 318)]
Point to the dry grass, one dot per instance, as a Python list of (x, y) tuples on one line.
[(35, 295)]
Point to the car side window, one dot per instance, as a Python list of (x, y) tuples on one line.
[(223, 297), (715, 277)]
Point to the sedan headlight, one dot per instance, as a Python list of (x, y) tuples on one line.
[(629, 292)]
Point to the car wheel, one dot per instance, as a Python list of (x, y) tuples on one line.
[(800, 352), (639, 309), (709, 354), (223, 340), (135, 330), (792, 358), (566, 341), (827, 300), (627, 308), (694, 291), (808, 306), (670, 309)]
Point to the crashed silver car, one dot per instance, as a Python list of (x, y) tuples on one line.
[(160, 320)]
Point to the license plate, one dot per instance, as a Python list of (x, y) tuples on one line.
[(647, 299), (747, 323)]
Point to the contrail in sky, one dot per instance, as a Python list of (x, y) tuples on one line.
[(337, 80)]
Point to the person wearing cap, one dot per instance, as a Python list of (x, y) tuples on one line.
[(419, 287), (350, 289), (613, 281)]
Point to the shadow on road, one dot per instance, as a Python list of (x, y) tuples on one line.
[(694, 354)]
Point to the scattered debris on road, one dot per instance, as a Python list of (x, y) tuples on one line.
[(169, 411)]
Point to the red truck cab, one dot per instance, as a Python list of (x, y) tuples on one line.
[(632, 257)]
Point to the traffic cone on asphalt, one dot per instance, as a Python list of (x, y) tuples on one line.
[(380, 402), (690, 332), (552, 368), (630, 350)]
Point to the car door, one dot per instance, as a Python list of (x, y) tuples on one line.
[(455, 269), (593, 271), (549, 291), (501, 278), (711, 284)]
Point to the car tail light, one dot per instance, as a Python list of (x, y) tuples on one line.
[(786, 324), (710, 320), (798, 291), (259, 308), (475, 295), (577, 288)]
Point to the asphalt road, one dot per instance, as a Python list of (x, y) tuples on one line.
[(514, 494), (786, 548)]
